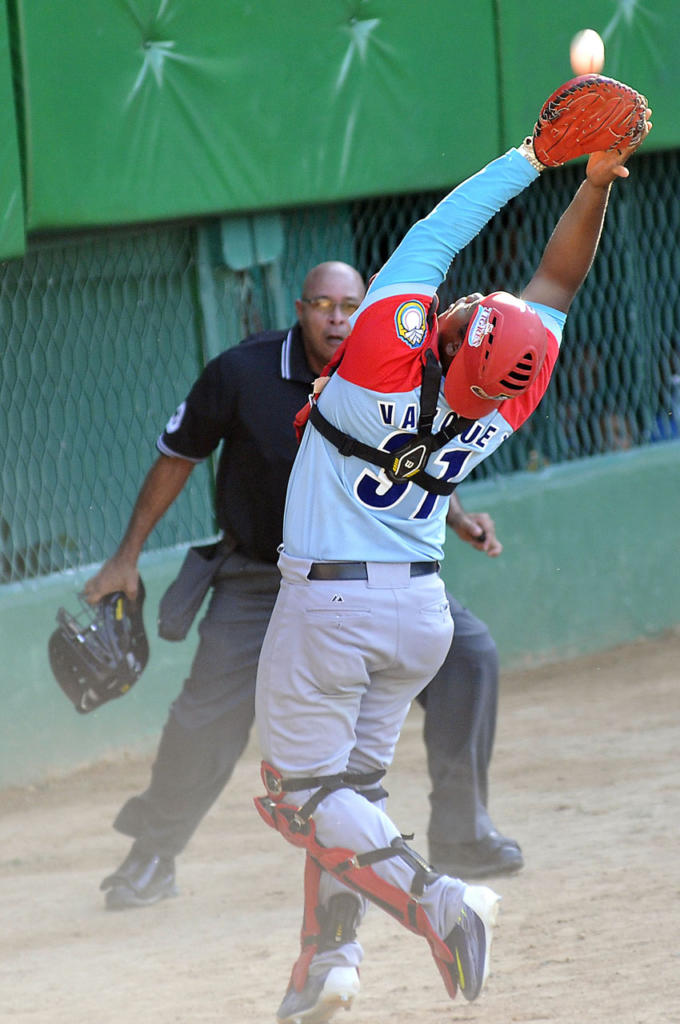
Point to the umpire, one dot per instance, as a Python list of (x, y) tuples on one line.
[(246, 399)]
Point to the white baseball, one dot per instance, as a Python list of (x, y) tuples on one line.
[(586, 52)]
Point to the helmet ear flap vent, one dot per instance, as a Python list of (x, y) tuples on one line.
[(522, 373)]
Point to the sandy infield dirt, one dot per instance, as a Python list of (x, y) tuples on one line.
[(586, 776)]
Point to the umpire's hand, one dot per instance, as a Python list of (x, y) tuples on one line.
[(116, 574), (477, 529)]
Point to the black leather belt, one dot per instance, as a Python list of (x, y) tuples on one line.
[(358, 570)]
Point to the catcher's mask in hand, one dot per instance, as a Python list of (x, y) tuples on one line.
[(99, 654)]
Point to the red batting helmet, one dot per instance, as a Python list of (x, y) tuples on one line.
[(501, 356)]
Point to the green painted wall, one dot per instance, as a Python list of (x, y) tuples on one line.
[(193, 107), (11, 188), (591, 560), (591, 554), (41, 731), (196, 107)]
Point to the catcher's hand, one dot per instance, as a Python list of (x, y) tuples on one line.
[(586, 115)]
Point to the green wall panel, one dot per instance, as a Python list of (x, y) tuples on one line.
[(642, 42), (186, 107), (11, 191)]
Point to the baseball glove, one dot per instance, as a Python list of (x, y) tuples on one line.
[(585, 115)]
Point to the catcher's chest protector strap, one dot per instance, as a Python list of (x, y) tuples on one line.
[(366, 784), (406, 463), (356, 872)]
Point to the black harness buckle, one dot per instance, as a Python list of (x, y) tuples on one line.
[(408, 461)]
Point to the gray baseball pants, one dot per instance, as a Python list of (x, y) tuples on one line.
[(340, 664), (209, 723)]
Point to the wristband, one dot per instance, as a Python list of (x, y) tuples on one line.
[(527, 151)]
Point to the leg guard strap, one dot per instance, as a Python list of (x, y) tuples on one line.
[(277, 786)]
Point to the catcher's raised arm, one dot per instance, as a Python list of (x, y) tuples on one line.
[(590, 111)]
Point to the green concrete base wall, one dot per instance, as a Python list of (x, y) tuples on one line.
[(591, 560), (591, 555), (41, 732)]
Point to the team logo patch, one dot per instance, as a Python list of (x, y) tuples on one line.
[(410, 321), (480, 326), (174, 422)]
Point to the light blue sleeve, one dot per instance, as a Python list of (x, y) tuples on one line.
[(554, 319), (426, 251)]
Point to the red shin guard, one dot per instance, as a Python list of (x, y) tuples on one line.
[(356, 872)]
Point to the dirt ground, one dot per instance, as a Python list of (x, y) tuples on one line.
[(586, 775)]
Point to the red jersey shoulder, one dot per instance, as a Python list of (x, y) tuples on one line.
[(384, 352), (517, 410)]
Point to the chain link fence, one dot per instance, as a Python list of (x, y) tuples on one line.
[(102, 337)]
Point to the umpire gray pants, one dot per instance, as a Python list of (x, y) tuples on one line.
[(209, 723)]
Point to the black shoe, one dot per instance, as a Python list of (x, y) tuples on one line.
[(493, 855), (142, 879)]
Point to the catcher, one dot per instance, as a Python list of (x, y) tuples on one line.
[(411, 404)]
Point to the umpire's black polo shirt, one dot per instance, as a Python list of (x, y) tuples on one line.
[(247, 398)]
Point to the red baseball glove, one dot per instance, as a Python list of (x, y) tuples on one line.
[(585, 115)]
